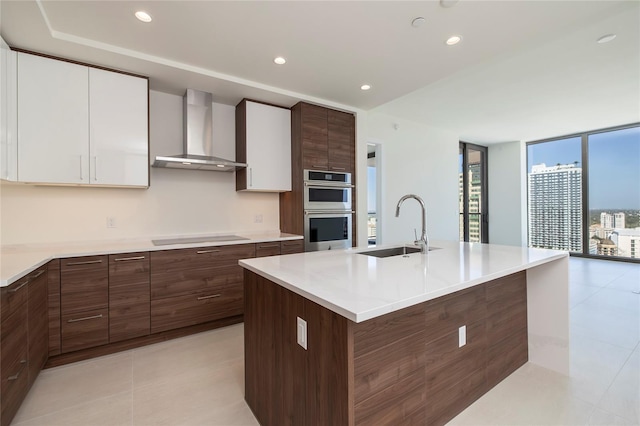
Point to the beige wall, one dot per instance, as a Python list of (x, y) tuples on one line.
[(178, 201)]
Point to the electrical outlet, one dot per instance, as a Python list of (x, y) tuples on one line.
[(462, 336), (301, 327), (111, 222), (258, 218)]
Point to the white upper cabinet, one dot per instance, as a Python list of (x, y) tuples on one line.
[(267, 141), (53, 121), (8, 113), (118, 112), (81, 125)]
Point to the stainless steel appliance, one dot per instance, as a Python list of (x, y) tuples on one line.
[(328, 214), (327, 190), (327, 230)]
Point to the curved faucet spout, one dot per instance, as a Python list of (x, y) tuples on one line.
[(423, 242)]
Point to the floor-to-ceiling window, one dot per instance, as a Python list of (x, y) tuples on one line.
[(372, 195), (472, 172), (584, 193)]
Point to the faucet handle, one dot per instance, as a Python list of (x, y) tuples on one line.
[(415, 234)]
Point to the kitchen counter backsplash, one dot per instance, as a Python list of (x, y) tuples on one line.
[(17, 260)]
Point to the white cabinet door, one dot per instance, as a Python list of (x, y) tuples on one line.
[(268, 148), (8, 113), (53, 121), (119, 147)]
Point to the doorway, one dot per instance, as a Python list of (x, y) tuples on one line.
[(473, 196), (373, 194)]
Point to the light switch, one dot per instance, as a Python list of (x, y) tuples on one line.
[(462, 336), (302, 332)]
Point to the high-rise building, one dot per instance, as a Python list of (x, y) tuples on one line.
[(606, 220), (555, 207), (475, 201), (618, 220)]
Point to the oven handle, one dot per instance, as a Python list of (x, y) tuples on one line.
[(328, 185), (308, 212)]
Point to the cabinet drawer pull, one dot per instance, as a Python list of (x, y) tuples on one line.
[(37, 275), (126, 259), (13, 290), (209, 297), (85, 318), (293, 243), (207, 251), (86, 262), (270, 246), (338, 168), (317, 166), (15, 376)]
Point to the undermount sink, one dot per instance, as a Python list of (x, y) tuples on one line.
[(192, 240), (394, 251)]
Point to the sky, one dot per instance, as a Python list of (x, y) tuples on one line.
[(614, 166)]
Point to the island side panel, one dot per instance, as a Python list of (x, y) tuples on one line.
[(284, 383), (548, 315)]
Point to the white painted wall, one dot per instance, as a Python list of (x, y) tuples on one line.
[(414, 159), (507, 194), (178, 201)]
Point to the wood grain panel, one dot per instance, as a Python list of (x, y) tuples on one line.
[(340, 140), (454, 310), (13, 296), (181, 311), (506, 356), (379, 369), (38, 324), (268, 249), (395, 404), (13, 361), (314, 137), (53, 283), (291, 203), (166, 261), (291, 247), (84, 284), (82, 330), (384, 330), (182, 283), (241, 144), (129, 296), (451, 401)]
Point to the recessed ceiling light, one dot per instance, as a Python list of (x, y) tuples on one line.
[(365, 87), (606, 38), (143, 16), (453, 40), (280, 60), (220, 165), (418, 22)]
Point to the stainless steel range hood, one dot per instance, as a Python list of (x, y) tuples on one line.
[(198, 138)]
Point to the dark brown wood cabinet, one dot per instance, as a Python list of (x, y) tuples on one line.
[(84, 301), (405, 367), (321, 139), (268, 249), (129, 296), (291, 247), (53, 278), (192, 286), (23, 339)]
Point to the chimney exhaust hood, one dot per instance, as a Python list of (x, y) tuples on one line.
[(198, 138)]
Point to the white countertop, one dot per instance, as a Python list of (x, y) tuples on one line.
[(18, 260), (361, 287)]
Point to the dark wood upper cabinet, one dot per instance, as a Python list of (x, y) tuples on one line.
[(314, 137), (341, 141)]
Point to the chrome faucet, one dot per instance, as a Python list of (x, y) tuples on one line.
[(423, 242)]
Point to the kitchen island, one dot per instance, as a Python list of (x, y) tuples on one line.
[(409, 339)]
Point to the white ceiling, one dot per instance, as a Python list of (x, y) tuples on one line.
[(524, 70)]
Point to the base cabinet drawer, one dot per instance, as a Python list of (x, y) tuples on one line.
[(84, 284), (292, 247), (183, 311), (85, 329), (268, 249)]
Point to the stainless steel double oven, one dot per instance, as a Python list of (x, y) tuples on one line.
[(328, 211)]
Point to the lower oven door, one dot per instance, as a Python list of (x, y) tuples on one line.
[(327, 230)]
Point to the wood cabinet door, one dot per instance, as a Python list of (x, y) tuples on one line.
[(38, 323), (119, 141), (292, 246), (314, 137), (84, 284), (81, 330), (129, 296), (341, 141), (53, 121), (267, 249)]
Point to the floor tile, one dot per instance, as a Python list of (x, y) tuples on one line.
[(610, 325), (71, 385), (113, 410), (623, 397)]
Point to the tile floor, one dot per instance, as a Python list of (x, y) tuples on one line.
[(198, 380)]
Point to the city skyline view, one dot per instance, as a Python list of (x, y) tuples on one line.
[(613, 157)]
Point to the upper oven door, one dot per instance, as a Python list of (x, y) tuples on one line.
[(325, 197)]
